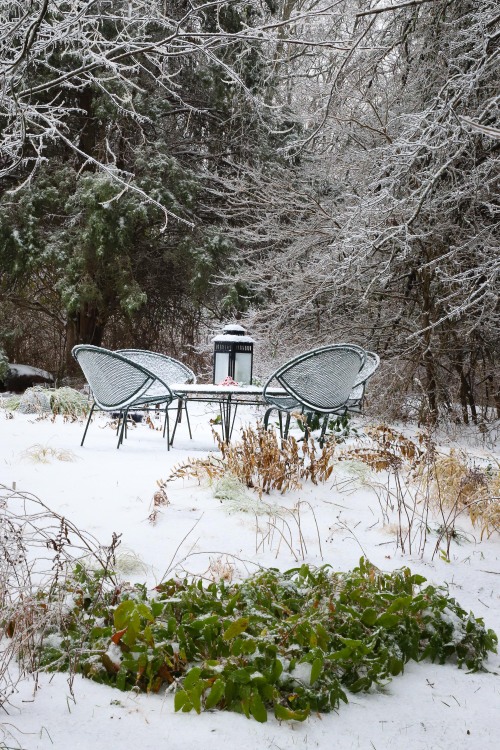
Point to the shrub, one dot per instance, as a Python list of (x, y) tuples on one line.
[(69, 402), (38, 553), (263, 463), (37, 400), (292, 642)]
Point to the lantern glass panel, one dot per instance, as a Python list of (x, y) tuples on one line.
[(243, 367), (221, 366)]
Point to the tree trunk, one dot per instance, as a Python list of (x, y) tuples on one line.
[(88, 132), (84, 327), (428, 356)]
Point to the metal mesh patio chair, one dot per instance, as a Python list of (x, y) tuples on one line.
[(357, 395), (316, 382), (118, 385), (169, 370)]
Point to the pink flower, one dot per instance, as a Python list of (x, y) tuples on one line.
[(228, 381)]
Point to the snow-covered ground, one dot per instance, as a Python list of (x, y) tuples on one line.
[(104, 490)]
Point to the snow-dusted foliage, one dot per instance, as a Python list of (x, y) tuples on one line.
[(55, 57), (4, 365), (341, 156), (391, 237), (112, 116)]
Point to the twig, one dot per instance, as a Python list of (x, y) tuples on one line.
[(386, 8), (179, 546)]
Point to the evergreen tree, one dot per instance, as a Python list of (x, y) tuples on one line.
[(135, 146)]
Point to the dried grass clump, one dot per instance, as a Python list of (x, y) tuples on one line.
[(453, 478), (35, 400), (424, 480), (128, 562), (404, 492), (43, 454), (234, 495), (456, 483), (486, 516), (69, 402), (385, 449), (201, 469), (263, 463)]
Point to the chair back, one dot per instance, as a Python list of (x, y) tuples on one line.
[(115, 381), (371, 363), (322, 379), (170, 370)]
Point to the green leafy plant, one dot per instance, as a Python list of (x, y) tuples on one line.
[(340, 428), (291, 642)]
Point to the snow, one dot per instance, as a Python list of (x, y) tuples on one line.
[(234, 333), (104, 490), (236, 338), (28, 371)]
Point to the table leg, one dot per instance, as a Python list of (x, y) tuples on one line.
[(234, 417), (227, 419), (225, 412)]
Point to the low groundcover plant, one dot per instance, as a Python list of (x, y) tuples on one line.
[(37, 400), (292, 642)]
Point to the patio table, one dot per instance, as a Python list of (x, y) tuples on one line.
[(229, 397)]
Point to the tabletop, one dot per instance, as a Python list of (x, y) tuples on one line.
[(222, 390)]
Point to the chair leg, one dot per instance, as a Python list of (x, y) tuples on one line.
[(267, 415), (323, 431), (187, 420), (307, 425), (119, 424), (173, 432), (123, 427), (181, 405), (287, 426), (225, 407), (166, 427), (88, 422), (165, 420), (280, 420), (176, 421)]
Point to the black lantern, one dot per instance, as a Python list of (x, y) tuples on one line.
[(233, 355)]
